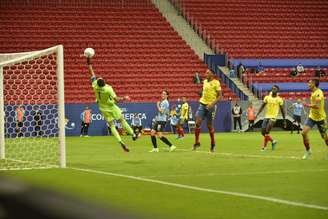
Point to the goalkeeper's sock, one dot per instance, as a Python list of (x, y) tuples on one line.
[(127, 127), (166, 141), (153, 140), (115, 133)]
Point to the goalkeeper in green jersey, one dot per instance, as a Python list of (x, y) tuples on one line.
[(106, 100)]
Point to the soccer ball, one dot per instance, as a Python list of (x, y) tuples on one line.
[(89, 52)]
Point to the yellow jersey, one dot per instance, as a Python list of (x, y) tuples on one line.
[(210, 90), (184, 111), (317, 114), (272, 106)]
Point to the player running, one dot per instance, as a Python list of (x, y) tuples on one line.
[(207, 107), (317, 116), (106, 100), (163, 108), (273, 103)]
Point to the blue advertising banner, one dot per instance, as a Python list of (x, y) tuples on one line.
[(146, 111)]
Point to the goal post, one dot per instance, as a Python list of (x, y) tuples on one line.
[(32, 115)]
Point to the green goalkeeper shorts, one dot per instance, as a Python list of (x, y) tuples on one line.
[(112, 113)]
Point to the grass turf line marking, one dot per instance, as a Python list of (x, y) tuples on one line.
[(240, 174), (195, 188), (246, 155)]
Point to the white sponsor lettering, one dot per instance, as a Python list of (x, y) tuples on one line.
[(97, 116), (127, 116)]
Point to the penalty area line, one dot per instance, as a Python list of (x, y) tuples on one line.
[(196, 188)]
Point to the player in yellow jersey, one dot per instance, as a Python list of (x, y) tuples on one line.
[(207, 107), (184, 114), (273, 103), (317, 116)]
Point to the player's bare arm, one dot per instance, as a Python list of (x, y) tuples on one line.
[(283, 115), (314, 106), (89, 62), (260, 110), (120, 99)]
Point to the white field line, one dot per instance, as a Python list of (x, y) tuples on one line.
[(240, 174), (195, 188), (265, 156)]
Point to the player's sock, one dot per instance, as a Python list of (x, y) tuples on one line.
[(197, 132), (265, 141), (182, 132), (178, 131), (115, 133), (153, 140), (166, 141), (127, 127), (306, 144), (212, 136), (269, 138)]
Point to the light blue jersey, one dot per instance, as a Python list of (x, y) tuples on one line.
[(298, 108), (165, 107)]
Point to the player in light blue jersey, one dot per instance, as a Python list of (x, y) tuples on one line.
[(163, 108), (298, 109)]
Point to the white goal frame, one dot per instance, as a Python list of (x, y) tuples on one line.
[(13, 58)]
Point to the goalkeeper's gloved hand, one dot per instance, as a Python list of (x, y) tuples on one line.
[(89, 61)]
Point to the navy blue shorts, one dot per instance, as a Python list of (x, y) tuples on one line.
[(267, 121), (159, 126), (204, 113), (297, 118), (322, 126)]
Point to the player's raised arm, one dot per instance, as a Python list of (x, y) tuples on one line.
[(90, 69)]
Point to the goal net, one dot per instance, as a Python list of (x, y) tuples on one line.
[(32, 123)]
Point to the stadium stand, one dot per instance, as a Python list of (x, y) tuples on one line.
[(264, 30), (261, 28), (137, 51)]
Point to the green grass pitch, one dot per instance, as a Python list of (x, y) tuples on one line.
[(237, 181)]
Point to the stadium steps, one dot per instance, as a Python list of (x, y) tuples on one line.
[(240, 85), (182, 27)]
